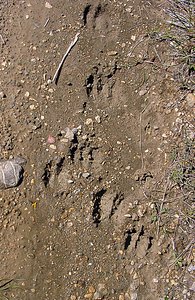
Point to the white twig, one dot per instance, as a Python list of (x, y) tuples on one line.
[(57, 73), (2, 39), (47, 21)]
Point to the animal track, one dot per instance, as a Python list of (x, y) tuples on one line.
[(136, 240), (101, 80), (79, 157), (85, 13), (95, 16), (105, 205), (96, 213), (52, 168)]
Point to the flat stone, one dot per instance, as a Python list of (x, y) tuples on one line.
[(86, 175)]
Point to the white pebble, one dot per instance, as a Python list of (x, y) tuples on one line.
[(53, 147), (48, 5), (32, 106), (98, 119), (89, 121), (27, 94)]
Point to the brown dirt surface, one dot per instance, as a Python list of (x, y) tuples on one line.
[(96, 215)]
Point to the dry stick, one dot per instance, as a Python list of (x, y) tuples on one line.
[(47, 21), (57, 73)]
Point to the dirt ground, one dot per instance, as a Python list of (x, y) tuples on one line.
[(86, 222)]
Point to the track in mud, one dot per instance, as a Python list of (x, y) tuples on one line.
[(79, 226)]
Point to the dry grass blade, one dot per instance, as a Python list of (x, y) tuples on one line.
[(5, 286), (182, 39), (187, 248)]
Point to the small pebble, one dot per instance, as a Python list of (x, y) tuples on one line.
[(191, 268), (133, 296), (32, 106), (51, 139), (89, 121), (98, 119), (27, 94), (2, 95), (53, 147), (127, 296), (97, 296), (192, 288), (48, 5), (70, 181), (70, 134), (112, 53), (86, 175), (129, 9), (91, 289), (190, 98), (64, 140), (142, 92), (88, 296)]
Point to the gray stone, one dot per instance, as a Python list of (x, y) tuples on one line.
[(11, 172)]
